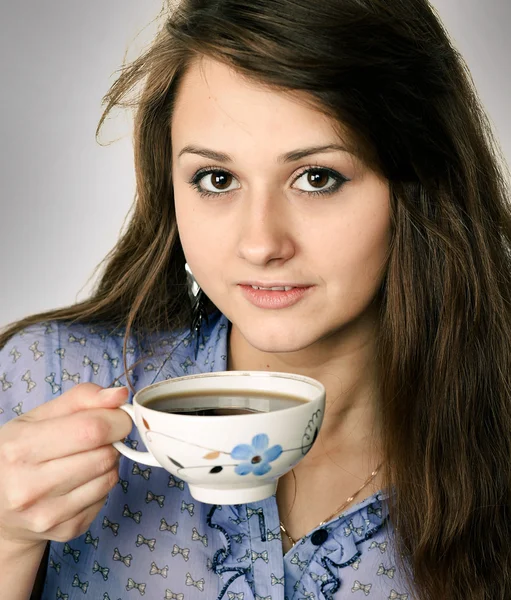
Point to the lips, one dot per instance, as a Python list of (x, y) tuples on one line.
[(267, 297), (284, 288), (269, 285)]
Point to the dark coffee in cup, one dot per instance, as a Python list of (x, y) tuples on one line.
[(216, 403)]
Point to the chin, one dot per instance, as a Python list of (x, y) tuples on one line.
[(273, 343)]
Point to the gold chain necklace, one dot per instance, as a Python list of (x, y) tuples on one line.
[(340, 508)]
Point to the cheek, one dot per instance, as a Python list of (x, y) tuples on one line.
[(190, 227), (197, 236), (358, 249)]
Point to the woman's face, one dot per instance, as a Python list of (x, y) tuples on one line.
[(274, 213)]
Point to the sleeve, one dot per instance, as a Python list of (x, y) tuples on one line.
[(26, 375), (45, 360)]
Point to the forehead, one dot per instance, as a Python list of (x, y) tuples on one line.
[(213, 100)]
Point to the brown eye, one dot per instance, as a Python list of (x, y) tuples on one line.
[(221, 180), (319, 181), (318, 178), (214, 182)]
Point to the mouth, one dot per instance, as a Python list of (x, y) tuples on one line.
[(277, 286), (275, 295)]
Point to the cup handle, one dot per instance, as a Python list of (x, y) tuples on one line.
[(144, 458)]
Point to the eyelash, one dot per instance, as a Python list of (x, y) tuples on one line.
[(340, 180)]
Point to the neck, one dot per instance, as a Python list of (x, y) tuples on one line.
[(350, 429)]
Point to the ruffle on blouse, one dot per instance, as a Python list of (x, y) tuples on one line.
[(229, 558), (340, 550)]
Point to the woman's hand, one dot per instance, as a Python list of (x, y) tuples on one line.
[(57, 464)]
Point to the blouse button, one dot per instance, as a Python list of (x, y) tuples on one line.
[(319, 537)]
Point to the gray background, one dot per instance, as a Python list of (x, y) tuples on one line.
[(64, 197)]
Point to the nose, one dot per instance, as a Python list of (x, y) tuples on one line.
[(265, 233)]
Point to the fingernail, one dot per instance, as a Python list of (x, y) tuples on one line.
[(113, 393)]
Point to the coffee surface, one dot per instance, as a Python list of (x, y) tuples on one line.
[(216, 403)]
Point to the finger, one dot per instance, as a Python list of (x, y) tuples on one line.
[(62, 475), (77, 525), (52, 512), (80, 397), (65, 436)]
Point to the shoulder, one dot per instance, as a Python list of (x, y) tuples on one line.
[(47, 359), (178, 353), (44, 360)]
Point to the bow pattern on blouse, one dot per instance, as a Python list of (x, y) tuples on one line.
[(263, 555), (246, 556), (77, 583), (155, 571), (301, 564), (395, 596), (36, 351), (5, 384), (277, 580), (66, 376), (150, 497), (87, 362), (382, 546), (114, 361), (142, 540), (74, 553), (189, 507), (136, 516), (131, 585), (74, 340), (18, 409), (388, 572), (169, 595), (103, 570), (29, 381), (198, 584), (90, 540), (145, 473), (173, 482), (55, 387), (364, 588), (272, 536), (15, 354), (183, 551), (54, 565), (351, 528), (323, 578), (126, 560), (113, 526), (196, 536), (164, 526)]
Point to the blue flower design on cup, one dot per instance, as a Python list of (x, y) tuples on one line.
[(257, 456)]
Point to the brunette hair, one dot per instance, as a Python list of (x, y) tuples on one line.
[(387, 72)]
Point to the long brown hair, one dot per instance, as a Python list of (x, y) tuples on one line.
[(387, 71)]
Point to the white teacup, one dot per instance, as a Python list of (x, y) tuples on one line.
[(227, 458)]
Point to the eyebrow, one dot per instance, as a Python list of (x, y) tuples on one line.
[(288, 157)]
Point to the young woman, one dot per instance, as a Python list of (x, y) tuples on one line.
[(328, 174)]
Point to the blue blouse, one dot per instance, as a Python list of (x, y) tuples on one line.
[(152, 538)]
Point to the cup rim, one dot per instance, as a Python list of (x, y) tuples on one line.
[(301, 378)]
